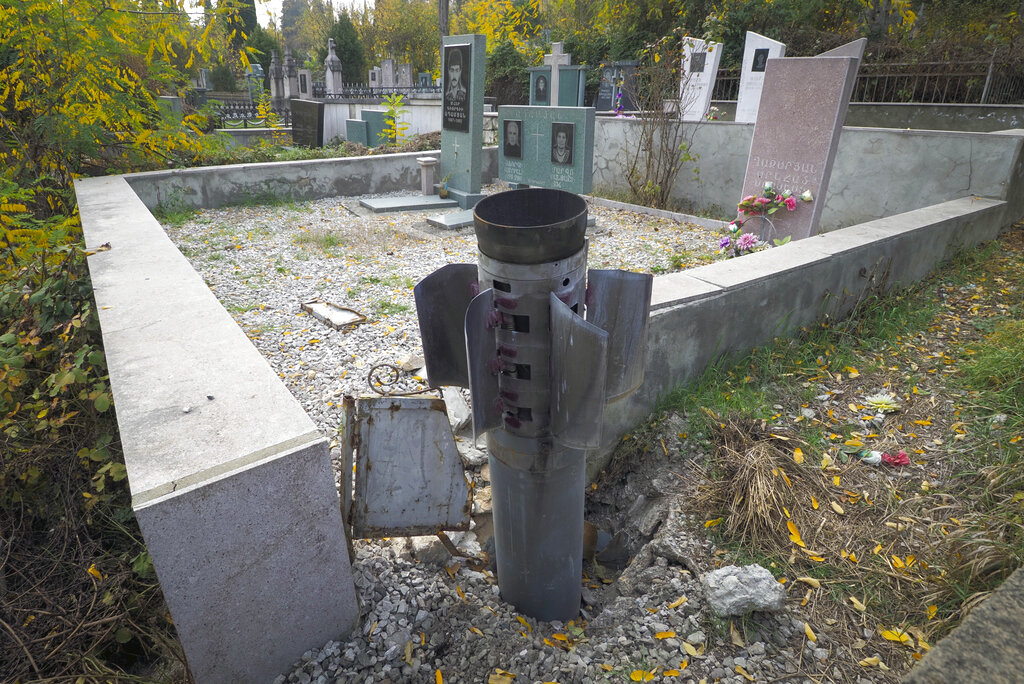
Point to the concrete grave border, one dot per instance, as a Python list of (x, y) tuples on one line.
[(231, 482)]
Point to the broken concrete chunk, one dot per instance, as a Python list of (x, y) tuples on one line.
[(734, 590)]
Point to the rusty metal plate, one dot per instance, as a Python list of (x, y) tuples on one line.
[(579, 361), (441, 301), (480, 350), (620, 303), (409, 477)]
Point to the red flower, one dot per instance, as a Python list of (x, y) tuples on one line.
[(899, 459)]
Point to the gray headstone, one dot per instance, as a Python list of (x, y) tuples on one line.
[(540, 86), (756, 51), (852, 49), (555, 150), (356, 131), (423, 79), (375, 77), (700, 69), (305, 83), (405, 75), (462, 116), (308, 123), (203, 81), (387, 73), (572, 81), (797, 133)]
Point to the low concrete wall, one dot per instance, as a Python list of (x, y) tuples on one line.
[(422, 115), (231, 482), (878, 171), (732, 306), (216, 186), (247, 137), (974, 118)]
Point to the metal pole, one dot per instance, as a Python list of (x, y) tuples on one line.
[(988, 78)]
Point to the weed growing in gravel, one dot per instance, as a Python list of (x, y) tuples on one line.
[(385, 308), (318, 237)]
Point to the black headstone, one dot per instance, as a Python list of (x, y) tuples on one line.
[(605, 101), (308, 123), (626, 76)]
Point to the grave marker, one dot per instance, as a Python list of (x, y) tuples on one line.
[(332, 70), (387, 67), (549, 147), (756, 51), (796, 135), (308, 123), (462, 116), (605, 101), (556, 59), (405, 75), (700, 69)]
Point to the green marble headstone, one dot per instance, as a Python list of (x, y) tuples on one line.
[(462, 115), (356, 131), (555, 150), (374, 125), (572, 82)]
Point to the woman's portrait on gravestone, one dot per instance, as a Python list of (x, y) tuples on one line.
[(540, 89), (457, 71), (512, 147), (697, 62), (561, 143)]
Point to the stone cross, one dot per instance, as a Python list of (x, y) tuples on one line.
[(556, 59)]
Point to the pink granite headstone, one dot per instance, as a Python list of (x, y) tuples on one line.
[(803, 106)]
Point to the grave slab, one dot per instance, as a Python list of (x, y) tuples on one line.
[(538, 160), (700, 69), (379, 205), (308, 123), (452, 220), (357, 131), (756, 52), (796, 136), (462, 116), (375, 125)]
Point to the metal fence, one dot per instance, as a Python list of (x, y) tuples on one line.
[(246, 115), (989, 82), (365, 90)]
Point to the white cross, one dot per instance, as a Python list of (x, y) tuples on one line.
[(536, 147), (556, 59)]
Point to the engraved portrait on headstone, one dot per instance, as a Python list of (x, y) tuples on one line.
[(512, 137), (760, 59), (457, 73), (561, 143), (697, 61), (540, 91)]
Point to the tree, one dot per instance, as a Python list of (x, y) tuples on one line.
[(405, 30), (291, 13), (262, 44), (507, 78), (348, 47), (516, 21)]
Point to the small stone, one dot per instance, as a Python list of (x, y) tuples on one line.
[(807, 413), (696, 638), (756, 648), (737, 591)]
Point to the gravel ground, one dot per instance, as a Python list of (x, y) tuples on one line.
[(425, 613)]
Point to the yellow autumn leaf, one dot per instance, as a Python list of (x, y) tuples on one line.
[(462, 594), (500, 678), (712, 523), (827, 461), (560, 637), (814, 503), (923, 422), (809, 580), (746, 675), (811, 636), (897, 635), (606, 667), (798, 455), (877, 549), (549, 642), (678, 602), (854, 443), (785, 478), (794, 534), (897, 562), (857, 604), (837, 508), (476, 630), (524, 623), (641, 676), (869, 662), (438, 679), (685, 664), (835, 480), (664, 635), (688, 647), (670, 673), (931, 611), (735, 636), (94, 572)]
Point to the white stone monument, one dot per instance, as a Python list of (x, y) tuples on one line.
[(757, 50), (555, 60), (700, 68)]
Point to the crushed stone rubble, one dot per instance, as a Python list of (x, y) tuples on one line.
[(423, 610)]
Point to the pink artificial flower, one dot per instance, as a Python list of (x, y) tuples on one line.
[(791, 203), (778, 198), (899, 459), (747, 241), (763, 200), (748, 198)]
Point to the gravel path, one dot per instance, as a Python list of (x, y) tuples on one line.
[(425, 612)]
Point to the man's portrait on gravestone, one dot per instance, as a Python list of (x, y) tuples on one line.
[(697, 61), (561, 143), (457, 71), (540, 89), (760, 59), (512, 133)]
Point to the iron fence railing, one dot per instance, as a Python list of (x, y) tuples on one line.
[(246, 115), (988, 82), (361, 90)]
